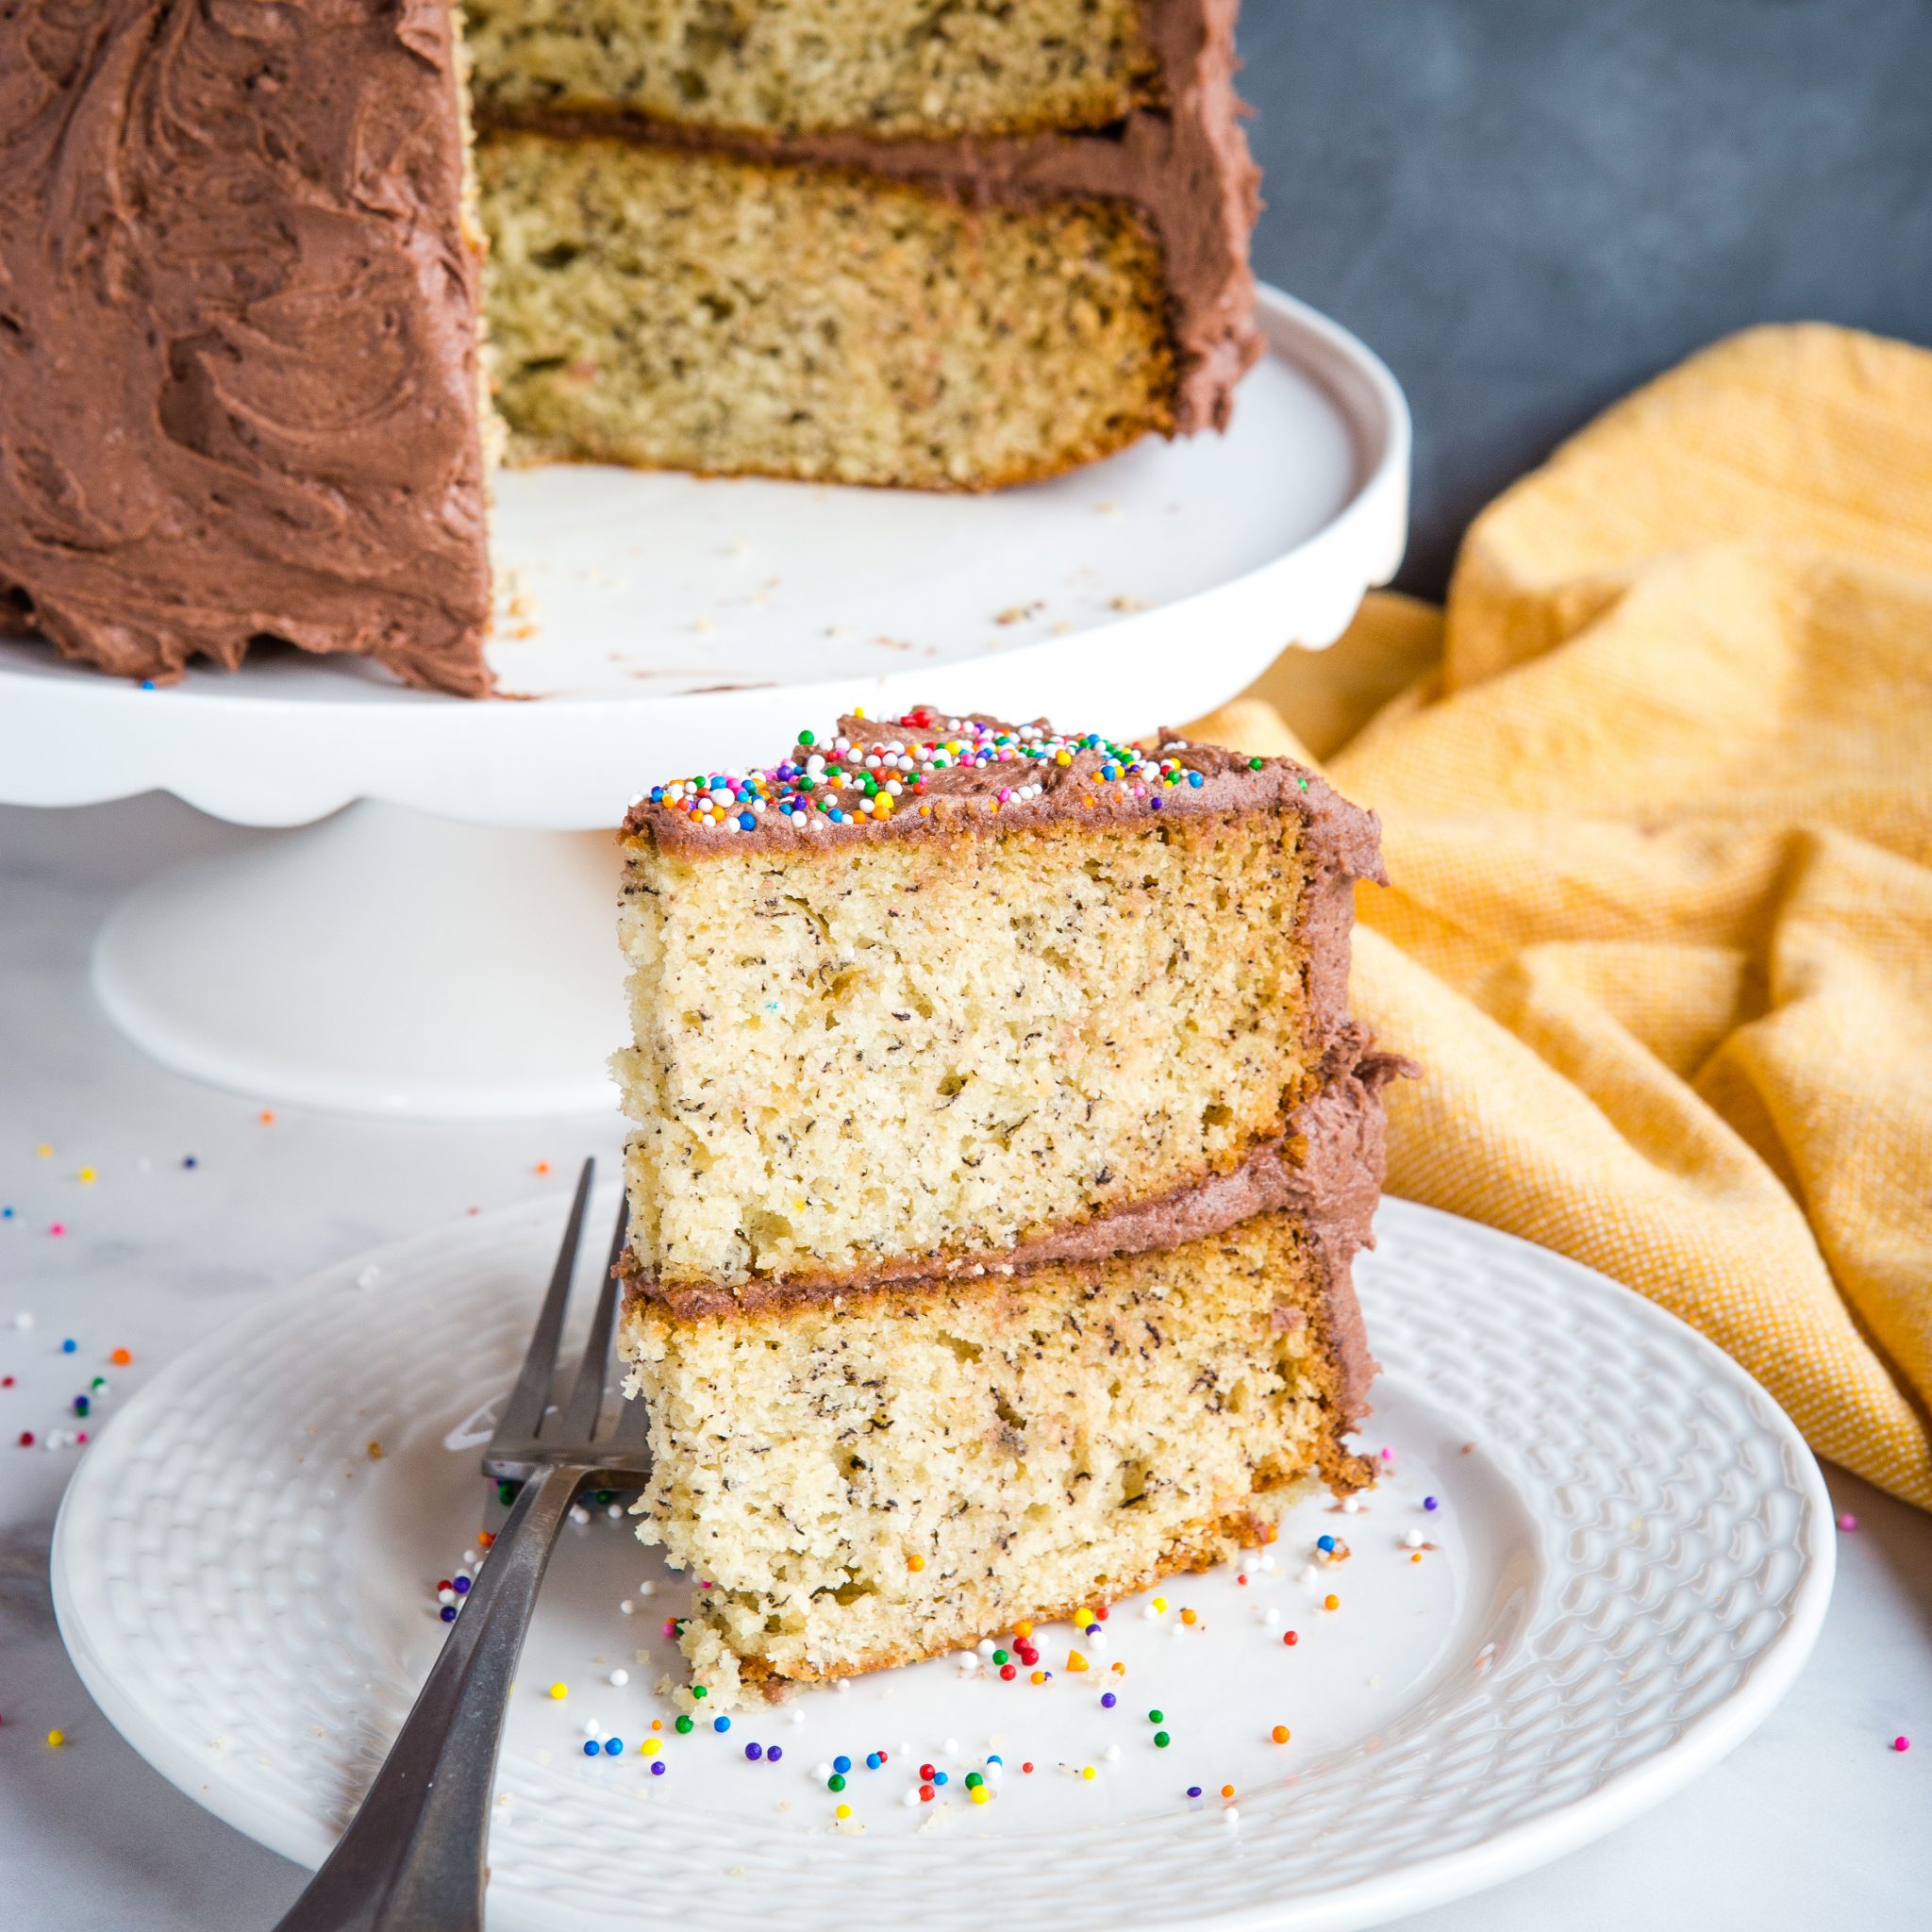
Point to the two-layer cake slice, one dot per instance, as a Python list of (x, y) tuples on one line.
[(1001, 1147)]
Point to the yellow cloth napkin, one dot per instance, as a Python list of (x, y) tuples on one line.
[(1659, 824)]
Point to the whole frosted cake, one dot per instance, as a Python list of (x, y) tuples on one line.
[(277, 281), (1001, 1147)]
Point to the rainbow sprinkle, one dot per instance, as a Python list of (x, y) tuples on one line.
[(861, 781)]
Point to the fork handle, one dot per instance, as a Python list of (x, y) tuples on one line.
[(413, 1857)]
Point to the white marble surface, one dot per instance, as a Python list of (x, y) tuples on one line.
[(1813, 1821)]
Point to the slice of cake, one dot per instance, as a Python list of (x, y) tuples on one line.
[(946, 993), (244, 390), (1003, 1144)]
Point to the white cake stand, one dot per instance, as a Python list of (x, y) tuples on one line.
[(440, 943)]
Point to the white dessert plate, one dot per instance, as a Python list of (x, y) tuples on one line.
[(1626, 1564)]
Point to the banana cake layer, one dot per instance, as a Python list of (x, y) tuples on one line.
[(866, 1479), (885, 66), (736, 313), (942, 994)]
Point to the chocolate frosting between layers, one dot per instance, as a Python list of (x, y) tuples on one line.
[(1183, 161), (1328, 1170), (237, 371)]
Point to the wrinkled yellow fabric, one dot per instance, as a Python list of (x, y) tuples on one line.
[(1659, 827)]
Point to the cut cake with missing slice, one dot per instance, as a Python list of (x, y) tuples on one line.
[(278, 283), (1003, 1144)]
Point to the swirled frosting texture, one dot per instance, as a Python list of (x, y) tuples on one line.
[(238, 361)]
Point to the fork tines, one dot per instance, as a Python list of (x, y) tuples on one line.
[(531, 1432)]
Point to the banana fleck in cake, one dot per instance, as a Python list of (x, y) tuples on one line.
[(1002, 1148)]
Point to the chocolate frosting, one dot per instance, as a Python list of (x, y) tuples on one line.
[(238, 375), (1183, 160), (1346, 839)]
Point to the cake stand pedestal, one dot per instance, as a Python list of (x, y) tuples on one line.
[(382, 961), (436, 939)]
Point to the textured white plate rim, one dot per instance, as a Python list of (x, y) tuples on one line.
[(1507, 1852)]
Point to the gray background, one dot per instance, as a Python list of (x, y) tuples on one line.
[(1527, 206)]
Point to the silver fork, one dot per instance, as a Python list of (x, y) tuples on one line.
[(412, 1858)]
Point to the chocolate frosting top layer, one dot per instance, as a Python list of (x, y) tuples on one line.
[(976, 776), (238, 375)]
